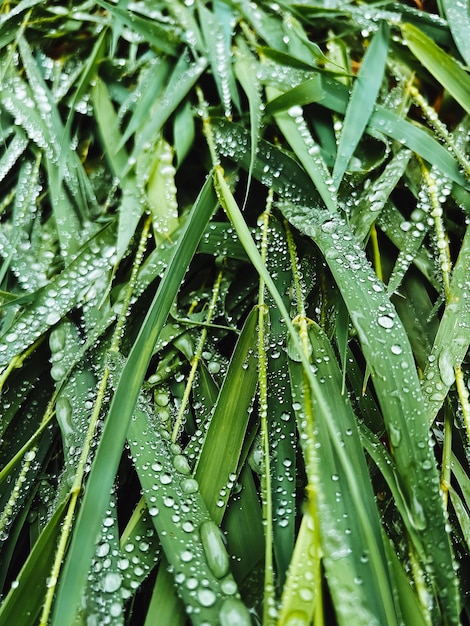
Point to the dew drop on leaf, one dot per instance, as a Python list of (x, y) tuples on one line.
[(234, 613), (111, 582), (214, 549)]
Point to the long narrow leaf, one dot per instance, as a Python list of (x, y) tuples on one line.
[(109, 451)]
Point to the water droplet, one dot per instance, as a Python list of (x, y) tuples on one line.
[(297, 618), (446, 366), (385, 321), (214, 549), (234, 613), (112, 581), (186, 556), (189, 485), (228, 586), (181, 465), (395, 435), (206, 597)]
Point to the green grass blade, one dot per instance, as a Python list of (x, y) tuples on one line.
[(217, 49), (307, 92), (349, 521), (52, 130), (294, 128), (132, 204), (245, 71), (151, 84), (59, 296), (390, 359), (107, 457), (220, 453), (362, 101), (458, 16), (183, 77), (367, 210), (164, 39), (15, 149), (281, 422), (273, 167), (441, 65), (165, 605)]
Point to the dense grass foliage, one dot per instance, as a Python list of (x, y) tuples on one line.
[(235, 313)]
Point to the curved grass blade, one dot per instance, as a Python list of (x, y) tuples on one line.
[(458, 16), (390, 359), (305, 93), (362, 101), (441, 65), (109, 451)]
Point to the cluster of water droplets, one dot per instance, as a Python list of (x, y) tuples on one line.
[(81, 282), (15, 149), (192, 542), (106, 595)]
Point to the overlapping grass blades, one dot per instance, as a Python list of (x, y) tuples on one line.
[(362, 101), (389, 357), (124, 400), (291, 182)]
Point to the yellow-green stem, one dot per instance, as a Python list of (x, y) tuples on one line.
[(439, 127), (441, 235), (269, 598), (197, 357)]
